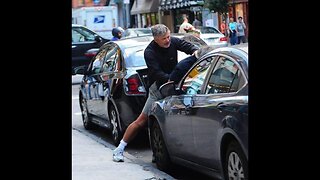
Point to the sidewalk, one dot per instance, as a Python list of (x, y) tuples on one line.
[(93, 160)]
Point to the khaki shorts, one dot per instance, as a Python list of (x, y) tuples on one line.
[(154, 95)]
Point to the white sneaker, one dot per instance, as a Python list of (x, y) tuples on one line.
[(118, 155)]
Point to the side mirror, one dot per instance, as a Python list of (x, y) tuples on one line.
[(97, 38), (168, 89)]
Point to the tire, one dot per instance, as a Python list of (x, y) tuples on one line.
[(236, 165), (86, 118), (115, 125), (159, 149)]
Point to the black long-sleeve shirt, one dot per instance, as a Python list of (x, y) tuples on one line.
[(162, 61)]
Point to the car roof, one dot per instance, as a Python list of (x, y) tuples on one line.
[(138, 29), (134, 41), (238, 54)]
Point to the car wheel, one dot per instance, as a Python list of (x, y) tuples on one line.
[(115, 125), (236, 165), (86, 118), (160, 151)]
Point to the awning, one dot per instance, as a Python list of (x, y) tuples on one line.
[(144, 6), (175, 4)]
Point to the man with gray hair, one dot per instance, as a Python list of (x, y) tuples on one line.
[(161, 57)]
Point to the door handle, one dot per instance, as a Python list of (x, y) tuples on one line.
[(221, 106)]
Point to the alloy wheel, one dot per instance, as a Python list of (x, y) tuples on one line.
[(114, 120)]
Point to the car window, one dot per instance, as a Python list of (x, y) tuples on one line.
[(194, 81), (112, 60), (80, 34), (97, 63), (136, 59), (206, 30), (137, 32), (225, 78), (135, 56)]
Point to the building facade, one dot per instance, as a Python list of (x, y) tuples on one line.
[(145, 13)]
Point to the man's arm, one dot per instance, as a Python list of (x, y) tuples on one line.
[(184, 46)]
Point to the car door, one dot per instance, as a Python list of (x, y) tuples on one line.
[(217, 102), (94, 82), (111, 76), (179, 120)]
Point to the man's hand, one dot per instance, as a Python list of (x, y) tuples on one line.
[(195, 53)]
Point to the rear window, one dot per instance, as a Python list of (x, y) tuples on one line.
[(206, 30), (135, 57), (137, 32)]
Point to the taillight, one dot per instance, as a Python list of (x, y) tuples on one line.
[(133, 86), (223, 39), (90, 54)]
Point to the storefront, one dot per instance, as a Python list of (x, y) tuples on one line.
[(145, 13), (239, 8), (176, 8)]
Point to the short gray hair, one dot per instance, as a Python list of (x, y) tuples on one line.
[(159, 30)]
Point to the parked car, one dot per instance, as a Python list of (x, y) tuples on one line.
[(113, 89), (202, 121), (84, 43), (112, 92), (135, 32), (213, 36)]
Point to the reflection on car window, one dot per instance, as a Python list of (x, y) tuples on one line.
[(112, 60), (225, 77), (195, 79), (81, 35), (97, 63)]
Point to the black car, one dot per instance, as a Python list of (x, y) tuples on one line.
[(113, 89), (84, 43), (202, 123)]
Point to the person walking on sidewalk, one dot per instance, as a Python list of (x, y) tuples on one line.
[(233, 32), (161, 58), (185, 26), (223, 28), (241, 26)]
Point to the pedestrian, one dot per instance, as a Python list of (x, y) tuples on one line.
[(233, 32), (223, 27), (241, 28), (161, 58), (117, 33), (196, 23), (185, 26)]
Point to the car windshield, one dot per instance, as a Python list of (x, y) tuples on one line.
[(137, 32), (81, 34), (135, 56)]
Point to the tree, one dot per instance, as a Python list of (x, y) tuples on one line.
[(219, 6)]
